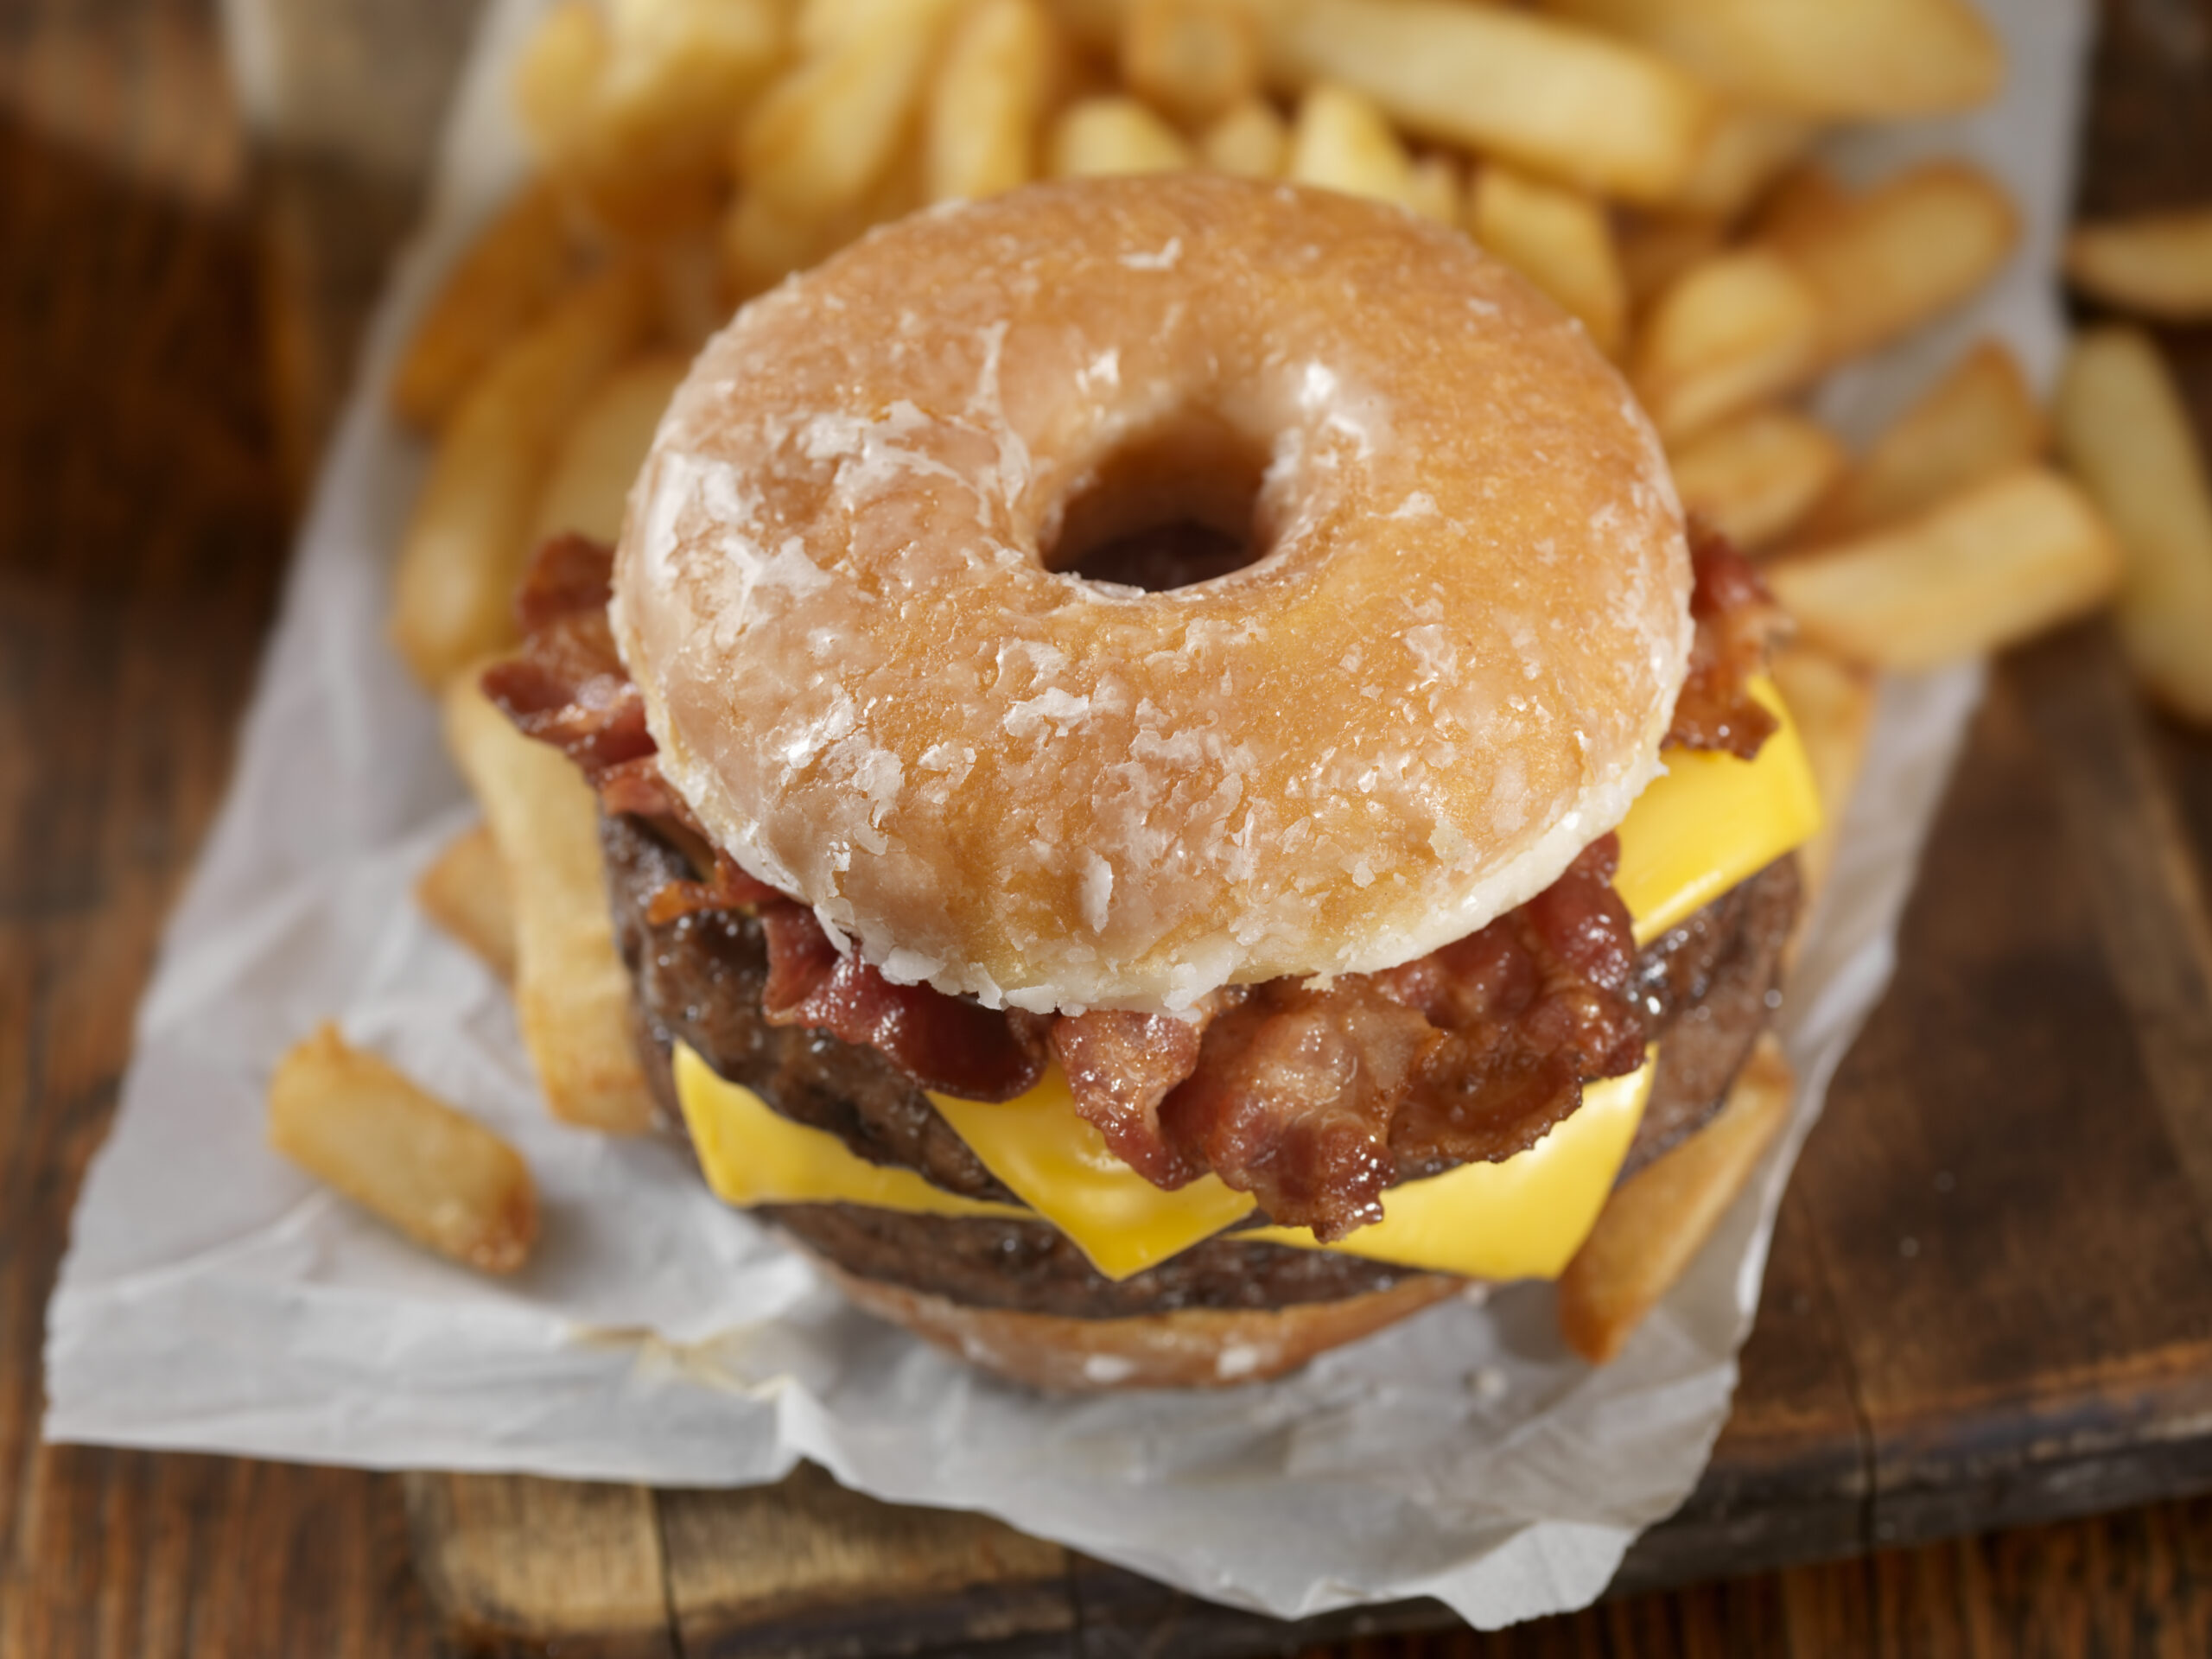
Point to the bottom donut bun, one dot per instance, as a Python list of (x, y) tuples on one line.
[(1189, 1348)]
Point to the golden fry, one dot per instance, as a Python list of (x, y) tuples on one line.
[(516, 268), (1808, 194), (1436, 189), (1192, 58), (2124, 432), (1657, 1222), (987, 100), (1341, 141), (828, 130), (1756, 474), (572, 993), (1731, 332), (1901, 253), (2160, 265), (468, 538), (1559, 240), (1832, 702), (465, 891), (1558, 100), (1835, 278), (632, 114), (1099, 136), (1250, 141), (1856, 60), (1654, 249), (403, 1155), (1977, 421), (1745, 152), (1982, 569), (605, 445)]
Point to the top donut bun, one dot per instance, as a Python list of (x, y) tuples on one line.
[(1449, 672)]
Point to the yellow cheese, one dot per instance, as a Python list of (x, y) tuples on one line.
[(1523, 1218), (1712, 821), (752, 1155), (1060, 1165)]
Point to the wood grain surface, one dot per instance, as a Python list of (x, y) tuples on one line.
[(1990, 1293)]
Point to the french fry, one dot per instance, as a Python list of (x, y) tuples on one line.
[(515, 270), (468, 538), (1738, 328), (572, 993), (1193, 59), (1976, 422), (1341, 141), (1434, 189), (2006, 559), (1868, 59), (1654, 249), (1834, 280), (632, 114), (763, 242), (1250, 141), (1559, 240), (822, 135), (1743, 154), (1098, 136), (1756, 474), (2160, 265), (987, 98), (1901, 253), (2123, 431), (464, 891), (1832, 703), (1657, 1222), (557, 75), (604, 447), (1806, 194), (403, 1155), (1559, 100)]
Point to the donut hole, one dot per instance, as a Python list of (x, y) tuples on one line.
[(1177, 506)]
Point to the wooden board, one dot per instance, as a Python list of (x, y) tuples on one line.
[(2019, 1110)]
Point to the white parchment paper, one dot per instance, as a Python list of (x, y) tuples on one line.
[(215, 1299)]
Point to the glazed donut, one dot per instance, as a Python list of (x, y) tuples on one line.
[(841, 588)]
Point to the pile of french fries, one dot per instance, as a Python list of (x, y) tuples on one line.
[(1645, 162)]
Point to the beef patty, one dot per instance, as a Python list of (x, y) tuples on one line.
[(1707, 986)]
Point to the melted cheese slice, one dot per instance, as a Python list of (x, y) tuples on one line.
[(1709, 822), (753, 1155), (1062, 1167)]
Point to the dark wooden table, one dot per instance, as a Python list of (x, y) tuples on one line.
[(172, 339)]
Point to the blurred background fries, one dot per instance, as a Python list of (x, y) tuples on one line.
[(1642, 162)]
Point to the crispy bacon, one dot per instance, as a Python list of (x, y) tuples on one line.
[(1293, 1098), (1736, 621), (943, 1043), (567, 687), (729, 889), (1535, 1005), (1120, 1067)]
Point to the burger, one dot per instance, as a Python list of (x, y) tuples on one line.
[(1175, 785)]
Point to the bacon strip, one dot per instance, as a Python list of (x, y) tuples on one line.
[(1120, 1067), (1735, 621), (1292, 1098), (940, 1041)]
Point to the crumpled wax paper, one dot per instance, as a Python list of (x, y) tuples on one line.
[(215, 1299)]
